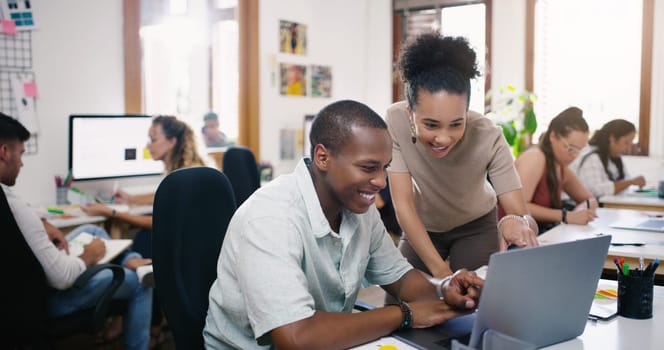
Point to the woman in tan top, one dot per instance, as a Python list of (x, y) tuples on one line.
[(448, 164)]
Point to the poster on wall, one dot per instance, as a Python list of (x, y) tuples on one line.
[(292, 37), (293, 79), (321, 81), (19, 12)]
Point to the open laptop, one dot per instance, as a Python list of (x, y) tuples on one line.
[(540, 295), (641, 224)]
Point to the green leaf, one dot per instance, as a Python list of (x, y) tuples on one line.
[(519, 145), (530, 121), (509, 131)]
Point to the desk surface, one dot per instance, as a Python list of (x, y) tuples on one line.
[(619, 334), (629, 199), (606, 216), (622, 333), (78, 217)]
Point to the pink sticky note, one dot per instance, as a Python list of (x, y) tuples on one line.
[(8, 26), (30, 89)]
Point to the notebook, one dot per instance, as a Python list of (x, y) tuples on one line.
[(641, 224), (540, 295), (113, 246)]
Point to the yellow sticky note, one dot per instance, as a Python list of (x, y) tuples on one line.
[(146, 153), (387, 347)]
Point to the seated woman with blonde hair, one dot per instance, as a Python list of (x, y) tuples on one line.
[(171, 141)]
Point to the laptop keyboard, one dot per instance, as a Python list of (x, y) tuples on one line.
[(653, 224)]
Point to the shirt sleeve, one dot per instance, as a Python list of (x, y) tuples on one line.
[(386, 263), (396, 117), (501, 170), (592, 175), (61, 269), (270, 275)]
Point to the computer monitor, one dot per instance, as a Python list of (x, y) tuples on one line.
[(110, 146)]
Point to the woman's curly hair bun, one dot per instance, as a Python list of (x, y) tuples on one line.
[(432, 51)]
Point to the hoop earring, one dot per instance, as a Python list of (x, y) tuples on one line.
[(413, 133)]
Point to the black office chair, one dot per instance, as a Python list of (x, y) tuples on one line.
[(239, 165), (24, 297), (192, 209)]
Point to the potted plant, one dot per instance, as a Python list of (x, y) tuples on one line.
[(513, 111)]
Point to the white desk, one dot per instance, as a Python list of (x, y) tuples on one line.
[(618, 334), (629, 199), (622, 333), (78, 217), (606, 216)]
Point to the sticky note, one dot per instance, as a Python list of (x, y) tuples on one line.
[(30, 89), (388, 347), (608, 293), (146, 153), (8, 26)]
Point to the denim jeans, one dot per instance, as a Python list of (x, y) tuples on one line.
[(136, 324)]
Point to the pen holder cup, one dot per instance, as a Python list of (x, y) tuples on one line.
[(660, 189), (635, 295), (61, 195)]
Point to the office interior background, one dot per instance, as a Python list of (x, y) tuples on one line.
[(79, 61)]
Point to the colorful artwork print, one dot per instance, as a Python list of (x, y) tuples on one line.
[(293, 79), (292, 37), (321, 81)]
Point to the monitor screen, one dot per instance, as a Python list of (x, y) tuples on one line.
[(109, 146)]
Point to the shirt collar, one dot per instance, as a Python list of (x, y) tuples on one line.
[(319, 225)]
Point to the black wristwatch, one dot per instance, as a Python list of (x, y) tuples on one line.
[(564, 220)]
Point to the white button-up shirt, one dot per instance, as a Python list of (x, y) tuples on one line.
[(281, 262)]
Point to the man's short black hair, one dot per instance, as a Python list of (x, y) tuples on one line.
[(332, 126), (12, 130)]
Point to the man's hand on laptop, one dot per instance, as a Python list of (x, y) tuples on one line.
[(463, 290), (433, 312)]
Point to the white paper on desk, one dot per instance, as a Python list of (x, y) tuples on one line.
[(113, 247), (376, 344)]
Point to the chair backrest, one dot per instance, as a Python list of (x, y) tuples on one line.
[(239, 165), (24, 296), (24, 304), (192, 209)]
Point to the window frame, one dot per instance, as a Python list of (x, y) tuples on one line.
[(398, 37), (248, 104)]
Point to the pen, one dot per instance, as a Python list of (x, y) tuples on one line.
[(626, 269), (588, 203), (615, 261), (67, 181), (114, 191)]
